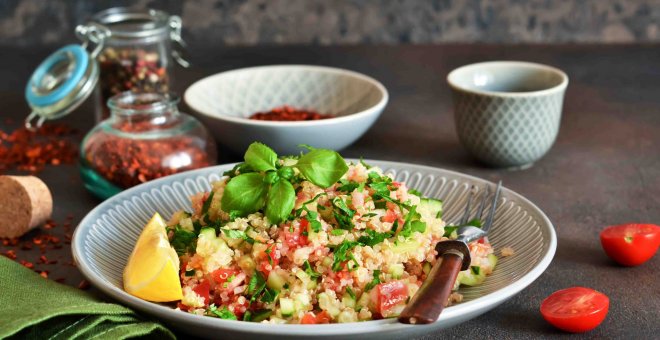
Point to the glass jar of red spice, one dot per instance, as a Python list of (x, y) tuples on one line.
[(146, 137), (138, 52)]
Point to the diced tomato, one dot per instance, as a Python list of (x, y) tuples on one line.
[(182, 269), (311, 319), (221, 275), (182, 307), (308, 319), (389, 295), (396, 184), (203, 289), (323, 317), (264, 267), (272, 255), (390, 216), (295, 238)]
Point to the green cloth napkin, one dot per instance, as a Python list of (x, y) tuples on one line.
[(32, 307)]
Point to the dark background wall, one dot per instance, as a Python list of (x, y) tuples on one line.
[(250, 22)]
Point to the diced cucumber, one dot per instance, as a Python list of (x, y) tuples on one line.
[(326, 303), (405, 247), (276, 280), (348, 301), (426, 268), (301, 302), (347, 316), (473, 276), (208, 243), (286, 306), (432, 205), (396, 270), (363, 301), (492, 259)]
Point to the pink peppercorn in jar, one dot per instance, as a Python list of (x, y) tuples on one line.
[(138, 52)]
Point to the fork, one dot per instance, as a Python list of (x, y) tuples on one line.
[(453, 256)]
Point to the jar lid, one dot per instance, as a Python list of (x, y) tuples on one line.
[(63, 80)]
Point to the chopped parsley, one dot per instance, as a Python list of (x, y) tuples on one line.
[(207, 203), (342, 214), (256, 285), (183, 241), (309, 270), (375, 281), (337, 232), (235, 234), (476, 270), (341, 254), (350, 292), (190, 272), (372, 237), (223, 313)]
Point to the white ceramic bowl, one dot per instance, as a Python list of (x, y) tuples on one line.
[(104, 239), (224, 102)]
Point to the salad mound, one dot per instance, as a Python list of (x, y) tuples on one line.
[(309, 239)]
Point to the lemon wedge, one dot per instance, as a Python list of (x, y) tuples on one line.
[(152, 272)]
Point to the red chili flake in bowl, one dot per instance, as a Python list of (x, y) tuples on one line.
[(26, 264), (288, 113)]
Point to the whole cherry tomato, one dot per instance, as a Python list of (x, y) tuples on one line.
[(631, 244)]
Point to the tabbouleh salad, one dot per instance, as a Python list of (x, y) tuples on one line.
[(310, 239)]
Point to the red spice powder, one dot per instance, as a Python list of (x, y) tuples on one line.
[(288, 113), (25, 150)]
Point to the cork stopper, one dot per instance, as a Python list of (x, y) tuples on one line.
[(25, 202)]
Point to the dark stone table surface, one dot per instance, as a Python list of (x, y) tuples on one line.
[(604, 168)]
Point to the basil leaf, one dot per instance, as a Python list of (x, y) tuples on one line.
[(322, 167), (245, 194), (260, 157), (281, 200)]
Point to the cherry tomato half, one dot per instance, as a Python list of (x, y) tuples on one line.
[(575, 309), (631, 244)]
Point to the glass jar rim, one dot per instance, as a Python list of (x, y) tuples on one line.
[(155, 22), (130, 103)]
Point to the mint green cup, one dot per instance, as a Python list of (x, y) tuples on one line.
[(507, 113)]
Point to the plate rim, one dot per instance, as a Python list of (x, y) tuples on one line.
[(452, 313)]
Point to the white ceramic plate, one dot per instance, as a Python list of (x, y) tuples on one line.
[(105, 237)]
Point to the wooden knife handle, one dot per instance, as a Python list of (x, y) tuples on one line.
[(426, 306)]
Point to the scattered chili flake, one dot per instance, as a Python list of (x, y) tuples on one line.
[(26, 264), (37, 240), (10, 254), (44, 274), (31, 151), (288, 113), (84, 285)]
